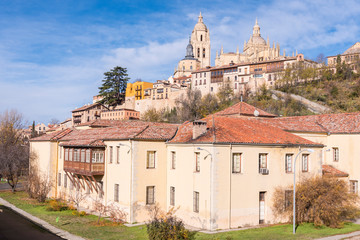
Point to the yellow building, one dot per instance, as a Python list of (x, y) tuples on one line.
[(136, 89)]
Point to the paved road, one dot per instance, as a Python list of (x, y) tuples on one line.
[(6, 186), (16, 227)]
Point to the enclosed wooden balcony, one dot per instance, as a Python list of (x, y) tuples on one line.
[(83, 161)]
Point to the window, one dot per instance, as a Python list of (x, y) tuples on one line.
[(288, 199), (111, 154), (200, 82), (150, 162), (118, 154), (76, 155), (204, 81), (150, 195), (173, 160), (203, 52), (288, 163), (336, 154), (305, 162), (353, 186), (204, 74), (65, 181), (82, 155), (200, 37), (66, 154), (236, 163), (70, 154), (172, 196), (262, 161), (197, 162), (60, 153), (87, 158), (198, 52), (97, 156), (59, 180), (116, 193), (196, 202)]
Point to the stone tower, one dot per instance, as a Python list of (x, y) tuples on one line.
[(200, 40)]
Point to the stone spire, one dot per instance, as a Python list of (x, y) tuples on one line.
[(284, 53), (217, 54), (256, 29), (237, 50), (222, 50), (244, 44), (200, 17), (268, 42)]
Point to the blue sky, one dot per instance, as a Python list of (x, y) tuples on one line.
[(53, 53)]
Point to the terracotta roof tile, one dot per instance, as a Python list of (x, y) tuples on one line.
[(52, 136), (327, 123), (245, 110), (85, 107), (239, 130), (330, 171)]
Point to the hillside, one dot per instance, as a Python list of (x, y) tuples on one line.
[(341, 95)]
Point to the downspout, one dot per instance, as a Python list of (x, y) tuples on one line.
[(230, 182), (106, 174), (131, 184)]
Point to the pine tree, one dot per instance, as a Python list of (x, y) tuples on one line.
[(114, 86)]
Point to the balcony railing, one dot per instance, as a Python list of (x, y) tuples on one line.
[(84, 168)]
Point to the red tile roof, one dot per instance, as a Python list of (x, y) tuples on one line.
[(85, 107), (330, 171), (53, 136), (239, 130), (326, 123), (244, 109), (127, 130)]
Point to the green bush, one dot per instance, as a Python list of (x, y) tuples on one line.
[(169, 228)]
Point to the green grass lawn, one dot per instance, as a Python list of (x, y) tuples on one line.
[(86, 227)]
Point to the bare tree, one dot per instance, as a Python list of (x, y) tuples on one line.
[(188, 106), (14, 153), (38, 185), (54, 121), (77, 198)]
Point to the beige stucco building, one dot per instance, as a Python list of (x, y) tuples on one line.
[(220, 171), (350, 56)]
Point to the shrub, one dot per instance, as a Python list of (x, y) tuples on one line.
[(319, 200), (169, 228), (56, 205)]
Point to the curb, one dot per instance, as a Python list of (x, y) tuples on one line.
[(61, 233)]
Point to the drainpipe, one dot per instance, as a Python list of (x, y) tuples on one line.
[(131, 183), (211, 187), (230, 185)]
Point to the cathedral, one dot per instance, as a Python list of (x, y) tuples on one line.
[(256, 49)]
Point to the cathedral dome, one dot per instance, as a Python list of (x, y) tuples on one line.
[(258, 40), (200, 26)]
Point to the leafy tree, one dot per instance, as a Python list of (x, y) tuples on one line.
[(319, 200), (225, 94), (14, 153), (114, 86), (209, 105)]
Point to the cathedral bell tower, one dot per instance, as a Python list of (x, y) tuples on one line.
[(200, 40)]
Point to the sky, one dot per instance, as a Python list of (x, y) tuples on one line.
[(53, 54)]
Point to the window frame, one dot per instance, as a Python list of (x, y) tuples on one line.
[(289, 162), (117, 154), (116, 192), (354, 186), (236, 167), (336, 154), (150, 195), (172, 196), (149, 164), (196, 201), (305, 157), (260, 160), (197, 162), (173, 160)]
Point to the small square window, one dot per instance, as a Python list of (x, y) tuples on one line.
[(288, 163), (305, 162), (336, 154), (353, 186), (236, 163)]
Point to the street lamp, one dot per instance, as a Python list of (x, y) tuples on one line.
[(304, 150), (121, 144)]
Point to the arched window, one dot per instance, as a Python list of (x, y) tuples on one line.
[(200, 37), (191, 67), (198, 53), (203, 52), (184, 68)]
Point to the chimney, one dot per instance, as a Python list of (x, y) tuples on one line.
[(199, 128)]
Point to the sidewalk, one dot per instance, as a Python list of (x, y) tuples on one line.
[(352, 236), (41, 223)]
